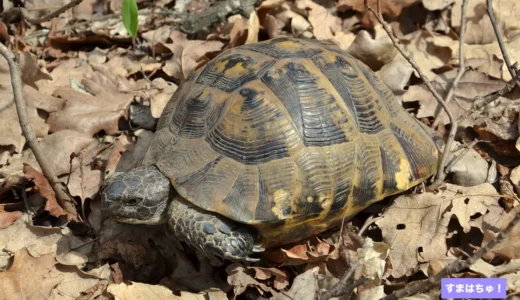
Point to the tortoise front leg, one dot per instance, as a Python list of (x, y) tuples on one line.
[(210, 233)]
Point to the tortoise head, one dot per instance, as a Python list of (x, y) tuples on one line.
[(139, 196)]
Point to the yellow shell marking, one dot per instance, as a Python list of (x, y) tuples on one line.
[(402, 178), (281, 200), (236, 71)]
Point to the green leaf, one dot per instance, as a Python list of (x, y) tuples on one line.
[(129, 14)]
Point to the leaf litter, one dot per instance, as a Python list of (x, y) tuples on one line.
[(80, 80)]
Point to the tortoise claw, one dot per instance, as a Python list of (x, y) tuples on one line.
[(251, 259), (258, 249)]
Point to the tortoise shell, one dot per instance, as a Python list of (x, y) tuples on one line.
[(289, 136)]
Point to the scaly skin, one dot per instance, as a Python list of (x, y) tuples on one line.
[(145, 196)]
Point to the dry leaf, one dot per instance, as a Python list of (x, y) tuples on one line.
[(436, 4), (58, 148), (389, 8), (509, 247), (8, 217), (141, 291), (47, 192), (74, 282), (515, 178), (29, 277), (416, 225), (253, 27), (506, 11), (429, 50), (89, 114), (311, 251), (39, 240), (304, 287), (396, 76), (11, 133), (324, 24), (188, 55), (472, 14), (375, 53), (471, 85), (84, 185), (240, 280), (488, 52), (280, 278)]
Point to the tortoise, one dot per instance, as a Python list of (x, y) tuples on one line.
[(270, 143)]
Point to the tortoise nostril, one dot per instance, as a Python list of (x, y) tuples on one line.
[(131, 201)]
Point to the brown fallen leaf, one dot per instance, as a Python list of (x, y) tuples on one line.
[(509, 247), (240, 280), (396, 76), (253, 27), (58, 147), (480, 32), (93, 292), (122, 144), (11, 133), (188, 55), (488, 51), (436, 4), (515, 178), (471, 12), (324, 24), (506, 12), (84, 185), (429, 50), (8, 217), (38, 240), (280, 280), (137, 290), (390, 8), (74, 281), (89, 114), (304, 287), (372, 261), (471, 85), (373, 52), (46, 191), (416, 225), (29, 277), (311, 251)]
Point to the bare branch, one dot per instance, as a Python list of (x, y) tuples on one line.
[(342, 287), (63, 198), (22, 12), (462, 67), (512, 71), (481, 102)]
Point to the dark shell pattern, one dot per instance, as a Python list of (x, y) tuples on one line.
[(290, 136)]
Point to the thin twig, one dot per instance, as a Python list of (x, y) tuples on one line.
[(35, 21), (342, 287), (481, 102), (450, 165), (16, 81), (453, 130), (462, 67), (489, 4), (454, 267)]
